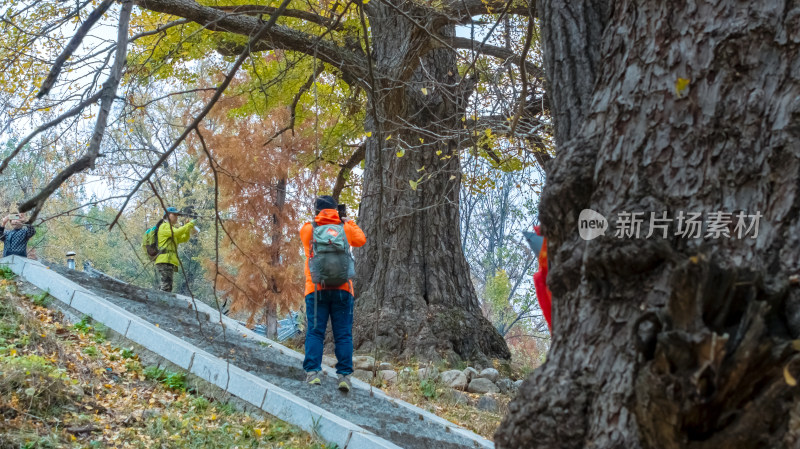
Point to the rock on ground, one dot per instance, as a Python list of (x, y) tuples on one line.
[(364, 375), (505, 385), (428, 373), (364, 362), (488, 403), (471, 373), (457, 397), (385, 366), (490, 373), (454, 379), (389, 376), (329, 361), (482, 386)]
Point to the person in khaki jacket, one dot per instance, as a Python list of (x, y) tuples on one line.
[(169, 237)]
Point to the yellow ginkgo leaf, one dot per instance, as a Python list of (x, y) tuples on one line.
[(413, 184), (452, 177), (787, 376), (388, 137), (421, 140), (438, 152), (424, 91), (420, 169), (680, 87), (401, 153), (369, 133)]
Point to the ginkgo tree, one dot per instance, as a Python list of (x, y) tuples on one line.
[(422, 91)]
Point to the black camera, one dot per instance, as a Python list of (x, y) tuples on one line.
[(342, 209)]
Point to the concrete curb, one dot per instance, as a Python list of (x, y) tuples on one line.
[(248, 387), (270, 398), (424, 415)]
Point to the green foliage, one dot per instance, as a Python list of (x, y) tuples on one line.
[(428, 389), (9, 321), (91, 351), (84, 326), (127, 353), (497, 290), (227, 408), (133, 366), (175, 380), (42, 300), (200, 404), (171, 379), (6, 273), (38, 383), (153, 372)]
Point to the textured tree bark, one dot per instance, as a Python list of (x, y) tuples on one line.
[(415, 296), (670, 342)]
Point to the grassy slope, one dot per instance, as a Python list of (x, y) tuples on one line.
[(66, 386)]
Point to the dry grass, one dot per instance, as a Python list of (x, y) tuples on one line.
[(445, 402), (66, 386)]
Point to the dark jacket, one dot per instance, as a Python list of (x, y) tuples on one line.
[(15, 241)]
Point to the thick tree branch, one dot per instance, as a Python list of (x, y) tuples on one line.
[(107, 96), (258, 10), (278, 37), (523, 75), (73, 44), (462, 11), (354, 160), (497, 52)]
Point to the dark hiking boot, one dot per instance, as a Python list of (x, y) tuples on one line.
[(313, 378), (344, 383)]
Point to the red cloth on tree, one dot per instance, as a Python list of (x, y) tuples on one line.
[(540, 283)]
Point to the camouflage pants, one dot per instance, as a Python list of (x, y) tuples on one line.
[(166, 271)]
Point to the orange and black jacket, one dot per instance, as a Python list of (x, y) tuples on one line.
[(355, 237)]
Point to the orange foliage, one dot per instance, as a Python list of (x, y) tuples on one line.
[(266, 192)]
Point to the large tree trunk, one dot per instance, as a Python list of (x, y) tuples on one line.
[(670, 342), (415, 293)]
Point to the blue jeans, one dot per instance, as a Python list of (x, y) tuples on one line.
[(338, 305)]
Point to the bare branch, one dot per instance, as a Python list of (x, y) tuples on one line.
[(260, 34), (258, 10), (293, 108), (107, 96), (72, 46), (72, 112), (160, 29)]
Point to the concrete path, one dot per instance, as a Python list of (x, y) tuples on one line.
[(260, 371)]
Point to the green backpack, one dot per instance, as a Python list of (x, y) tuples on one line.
[(331, 263), (150, 241)]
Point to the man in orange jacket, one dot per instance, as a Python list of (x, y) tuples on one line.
[(334, 302)]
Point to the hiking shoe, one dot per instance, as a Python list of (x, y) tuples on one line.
[(313, 378), (344, 383)]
